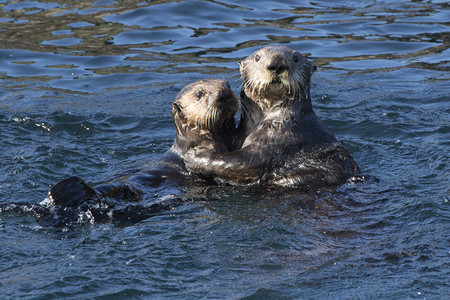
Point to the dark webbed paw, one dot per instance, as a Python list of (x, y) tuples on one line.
[(71, 192)]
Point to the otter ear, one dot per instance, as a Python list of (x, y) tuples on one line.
[(177, 117), (242, 65), (176, 109)]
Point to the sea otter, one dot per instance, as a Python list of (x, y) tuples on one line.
[(281, 140), (203, 113)]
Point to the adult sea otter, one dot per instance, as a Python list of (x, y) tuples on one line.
[(281, 140), (203, 113)]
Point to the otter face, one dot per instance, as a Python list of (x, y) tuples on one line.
[(276, 73), (205, 104)]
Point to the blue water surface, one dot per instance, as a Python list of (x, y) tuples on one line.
[(86, 89)]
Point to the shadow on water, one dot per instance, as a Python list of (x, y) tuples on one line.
[(86, 89)]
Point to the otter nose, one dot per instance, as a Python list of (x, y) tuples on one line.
[(224, 95), (224, 92), (277, 66)]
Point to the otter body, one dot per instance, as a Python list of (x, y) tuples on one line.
[(281, 140)]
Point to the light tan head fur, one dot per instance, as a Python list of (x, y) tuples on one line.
[(205, 104), (274, 74)]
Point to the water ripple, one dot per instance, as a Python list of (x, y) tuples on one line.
[(86, 89)]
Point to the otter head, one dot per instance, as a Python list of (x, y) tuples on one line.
[(276, 74), (203, 108)]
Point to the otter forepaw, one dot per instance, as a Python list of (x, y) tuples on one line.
[(71, 192), (196, 160)]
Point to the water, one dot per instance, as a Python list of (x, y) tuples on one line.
[(86, 90)]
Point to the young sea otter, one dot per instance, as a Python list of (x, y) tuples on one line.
[(203, 113), (281, 139)]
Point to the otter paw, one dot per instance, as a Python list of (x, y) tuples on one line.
[(71, 192)]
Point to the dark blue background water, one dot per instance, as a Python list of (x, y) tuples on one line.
[(86, 89)]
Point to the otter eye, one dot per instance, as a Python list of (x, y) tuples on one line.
[(296, 58), (257, 57), (199, 94)]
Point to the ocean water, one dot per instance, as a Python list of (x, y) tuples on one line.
[(86, 89)]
